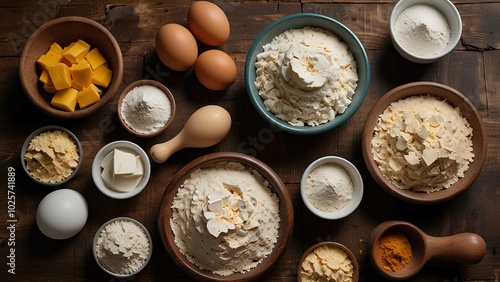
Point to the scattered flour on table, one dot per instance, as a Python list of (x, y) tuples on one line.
[(306, 76), (225, 218), (329, 187), (422, 30)]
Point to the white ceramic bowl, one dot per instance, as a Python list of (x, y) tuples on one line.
[(448, 10), (96, 169), (98, 233), (356, 179), (45, 129)]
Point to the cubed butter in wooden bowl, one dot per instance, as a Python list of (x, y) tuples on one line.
[(70, 67)]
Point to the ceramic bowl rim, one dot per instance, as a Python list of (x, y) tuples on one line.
[(98, 233), (356, 178), (46, 128), (96, 169), (359, 53)]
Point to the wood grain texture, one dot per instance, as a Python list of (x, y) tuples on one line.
[(473, 68)]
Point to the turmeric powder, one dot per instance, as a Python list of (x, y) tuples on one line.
[(395, 250)]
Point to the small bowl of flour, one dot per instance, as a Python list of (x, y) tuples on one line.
[(146, 108), (331, 187), (122, 247), (424, 31)]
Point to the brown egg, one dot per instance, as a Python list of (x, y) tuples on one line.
[(176, 47), (215, 69), (208, 23)]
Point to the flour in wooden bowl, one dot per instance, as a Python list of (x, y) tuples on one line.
[(225, 218)]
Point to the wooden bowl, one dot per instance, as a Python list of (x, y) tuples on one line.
[(464, 248), (285, 210), (158, 85), (64, 31), (355, 275), (468, 111)]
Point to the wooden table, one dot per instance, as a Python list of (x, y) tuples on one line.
[(472, 68)]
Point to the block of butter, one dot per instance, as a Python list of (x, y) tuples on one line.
[(88, 96), (122, 170)]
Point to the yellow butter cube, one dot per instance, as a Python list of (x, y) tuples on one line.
[(76, 52), (81, 74), (95, 58), (49, 88), (102, 76), (56, 48), (88, 96), (65, 99), (49, 59), (60, 76), (45, 77)]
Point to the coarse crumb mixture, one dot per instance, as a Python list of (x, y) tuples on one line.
[(51, 156), (306, 76), (422, 143)]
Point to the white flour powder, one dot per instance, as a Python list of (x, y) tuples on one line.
[(422, 30), (306, 76), (329, 187), (146, 109), (122, 247), (225, 219)]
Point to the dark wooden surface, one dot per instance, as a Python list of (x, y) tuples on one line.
[(472, 68)]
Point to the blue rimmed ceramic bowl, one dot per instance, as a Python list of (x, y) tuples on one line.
[(298, 21)]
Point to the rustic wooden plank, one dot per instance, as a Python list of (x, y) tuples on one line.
[(473, 70)]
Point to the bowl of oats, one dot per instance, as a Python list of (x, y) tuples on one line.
[(424, 142), (51, 155)]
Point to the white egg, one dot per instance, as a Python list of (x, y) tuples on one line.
[(62, 214)]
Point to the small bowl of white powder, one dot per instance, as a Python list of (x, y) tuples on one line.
[(146, 108), (122, 247), (424, 31), (331, 187)]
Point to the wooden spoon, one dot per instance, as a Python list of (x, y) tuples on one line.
[(204, 128), (463, 248)]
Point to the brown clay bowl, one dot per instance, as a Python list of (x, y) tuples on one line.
[(464, 248), (158, 85), (456, 99), (64, 31), (285, 210), (355, 276)]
